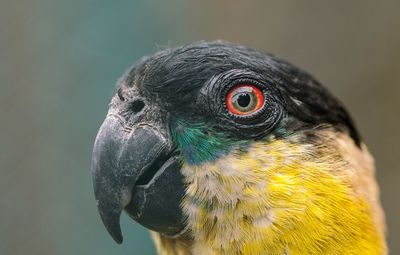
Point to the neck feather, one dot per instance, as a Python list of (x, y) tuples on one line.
[(285, 197)]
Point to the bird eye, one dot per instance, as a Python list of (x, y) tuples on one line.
[(244, 99)]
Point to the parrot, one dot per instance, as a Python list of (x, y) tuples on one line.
[(218, 148)]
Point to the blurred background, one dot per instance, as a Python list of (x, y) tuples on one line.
[(59, 61)]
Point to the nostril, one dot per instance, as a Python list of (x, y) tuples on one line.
[(120, 95), (137, 105)]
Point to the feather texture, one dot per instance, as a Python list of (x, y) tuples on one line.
[(285, 196)]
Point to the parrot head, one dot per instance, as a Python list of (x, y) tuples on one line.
[(210, 129)]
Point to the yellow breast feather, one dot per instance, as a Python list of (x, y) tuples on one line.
[(283, 197)]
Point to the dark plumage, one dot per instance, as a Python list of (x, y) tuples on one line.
[(174, 79)]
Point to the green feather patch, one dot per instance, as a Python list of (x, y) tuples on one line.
[(198, 143)]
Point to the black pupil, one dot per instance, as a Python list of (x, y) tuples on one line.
[(244, 100)]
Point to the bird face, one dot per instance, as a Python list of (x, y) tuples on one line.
[(193, 130)]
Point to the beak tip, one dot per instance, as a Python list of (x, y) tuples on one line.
[(110, 215), (114, 229), (117, 238)]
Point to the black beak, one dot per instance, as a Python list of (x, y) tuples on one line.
[(137, 170)]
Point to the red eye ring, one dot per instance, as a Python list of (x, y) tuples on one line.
[(244, 99)]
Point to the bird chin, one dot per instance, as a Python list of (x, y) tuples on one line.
[(156, 198)]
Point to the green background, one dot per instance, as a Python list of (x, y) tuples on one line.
[(59, 61)]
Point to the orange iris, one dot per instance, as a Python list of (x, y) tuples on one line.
[(244, 99)]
